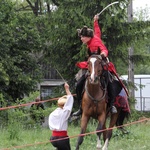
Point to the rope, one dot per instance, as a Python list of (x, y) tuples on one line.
[(70, 137), (27, 104)]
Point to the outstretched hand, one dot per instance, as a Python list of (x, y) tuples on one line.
[(66, 85), (96, 17)]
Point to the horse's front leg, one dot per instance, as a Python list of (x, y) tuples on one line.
[(100, 127), (84, 121), (113, 120), (99, 145)]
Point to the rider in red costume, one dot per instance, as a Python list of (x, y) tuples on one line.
[(95, 46), (95, 42)]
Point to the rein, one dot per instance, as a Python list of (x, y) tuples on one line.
[(105, 91)]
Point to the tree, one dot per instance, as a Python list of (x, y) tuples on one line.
[(38, 7), (117, 33), (142, 46), (51, 38), (19, 40)]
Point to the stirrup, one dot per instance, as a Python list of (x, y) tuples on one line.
[(77, 113), (113, 110)]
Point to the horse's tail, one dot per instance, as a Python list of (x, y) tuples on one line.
[(121, 117)]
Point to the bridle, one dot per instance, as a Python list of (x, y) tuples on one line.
[(104, 89), (92, 98)]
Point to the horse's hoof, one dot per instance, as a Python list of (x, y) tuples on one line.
[(98, 147)]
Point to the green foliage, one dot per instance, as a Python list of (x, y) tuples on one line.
[(19, 40), (27, 42), (117, 34), (63, 25), (14, 123), (13, 131)]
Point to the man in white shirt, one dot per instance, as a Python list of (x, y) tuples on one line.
[(58, 121)]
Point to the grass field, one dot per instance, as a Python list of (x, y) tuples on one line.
[(138, 138)]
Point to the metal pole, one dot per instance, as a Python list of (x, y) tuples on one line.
[(130, 53)]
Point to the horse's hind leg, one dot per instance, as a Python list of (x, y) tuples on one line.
[(84, 121)]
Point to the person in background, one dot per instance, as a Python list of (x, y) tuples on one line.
[(36, 111), (95, 46), (58, 121)]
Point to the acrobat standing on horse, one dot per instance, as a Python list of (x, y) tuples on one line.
[(95, 46)]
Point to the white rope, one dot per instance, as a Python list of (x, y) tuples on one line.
[(107, 7)]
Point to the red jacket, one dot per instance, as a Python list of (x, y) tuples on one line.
[(96, 41), (94, 44)]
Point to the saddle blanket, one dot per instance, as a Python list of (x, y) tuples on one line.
[(122, 101)]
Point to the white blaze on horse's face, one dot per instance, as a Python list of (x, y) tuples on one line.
[(93, 60)]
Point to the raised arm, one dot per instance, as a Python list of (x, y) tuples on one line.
[(97, 30), (66, 86), (104, 51), (69, 103)]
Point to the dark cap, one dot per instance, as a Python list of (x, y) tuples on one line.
[(85, 31)]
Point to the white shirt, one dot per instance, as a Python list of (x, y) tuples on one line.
[(58, 119)]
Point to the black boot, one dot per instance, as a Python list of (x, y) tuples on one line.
[(111, 94), (79, 88)]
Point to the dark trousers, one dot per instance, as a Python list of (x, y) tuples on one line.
[(110, 86), (61, 144), (79, 88), (111, 93)]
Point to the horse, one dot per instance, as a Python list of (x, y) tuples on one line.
[(94, 104)]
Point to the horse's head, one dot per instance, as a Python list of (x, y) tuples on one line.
[(95, 68)]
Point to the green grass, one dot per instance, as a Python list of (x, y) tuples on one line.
[(138, 138)]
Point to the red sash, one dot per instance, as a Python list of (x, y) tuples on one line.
[(59, 133)]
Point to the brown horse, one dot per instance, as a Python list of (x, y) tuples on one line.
[(94, 103)]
